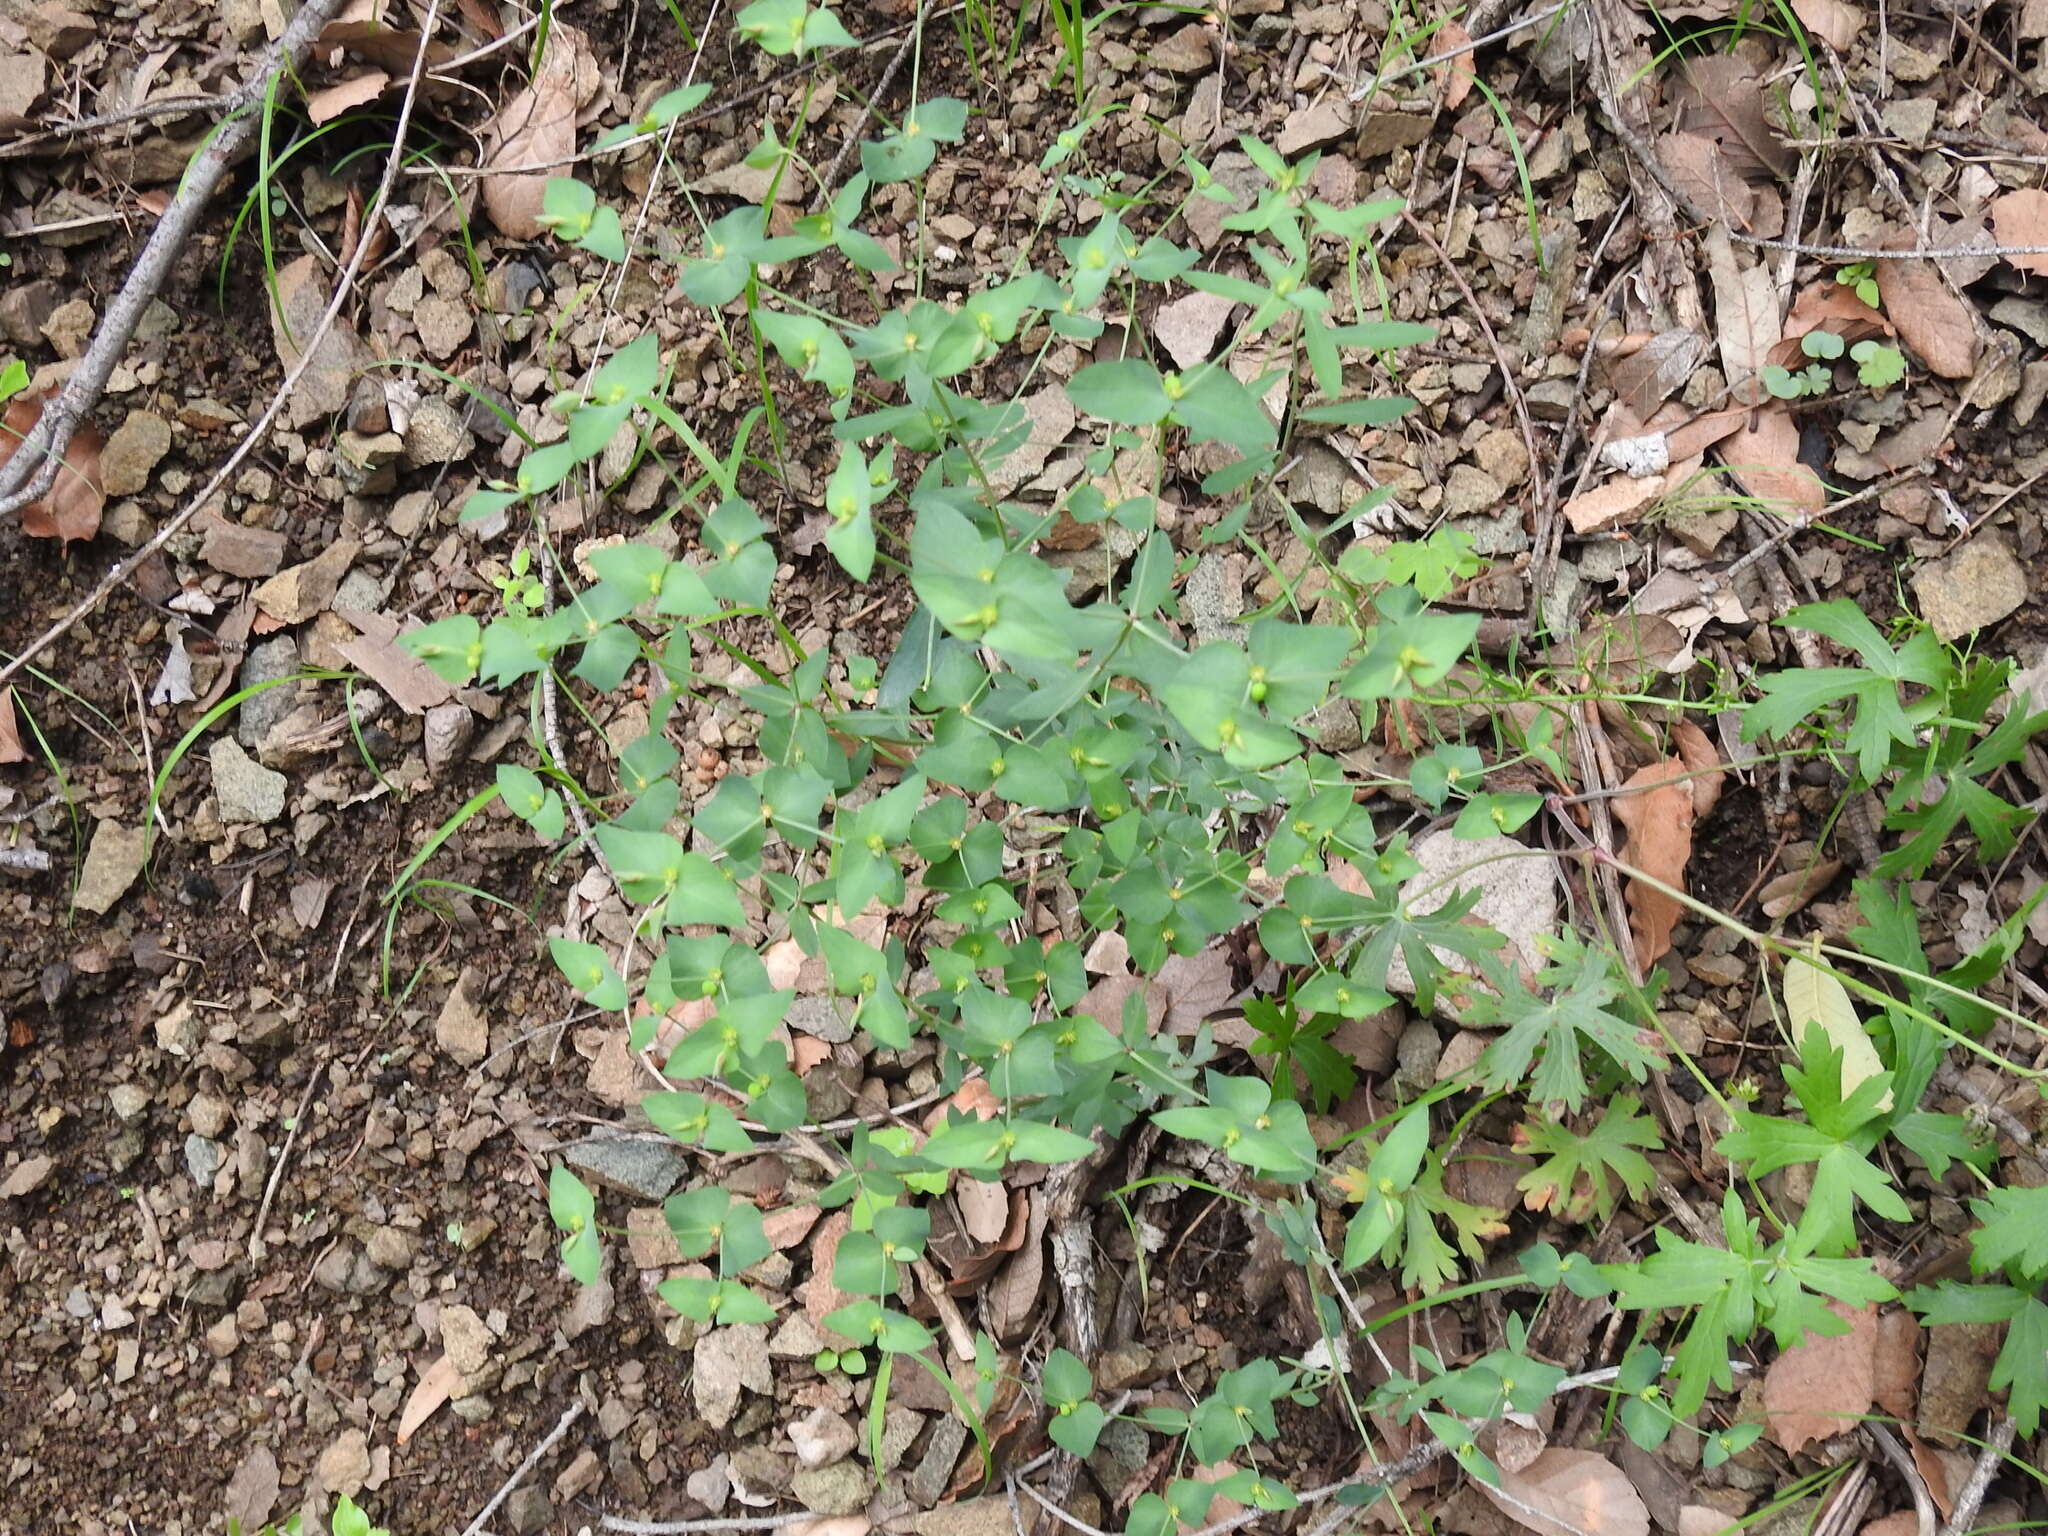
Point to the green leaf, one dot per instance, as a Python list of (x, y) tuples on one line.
[(1576, 1015), (1580, 1171), (1816, 999), (1128, 392), (589, 972), (452, 647)]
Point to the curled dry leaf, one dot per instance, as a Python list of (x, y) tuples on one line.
[(1456, 76), (2021, 218), (1571, 1493), (1895, 1381), (71, 508), (1822, 1386), (1657, 807), (330, 102), (1703, 760), (1932, 318), (10, 730)]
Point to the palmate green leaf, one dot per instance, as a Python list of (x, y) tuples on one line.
[(1580, 1172), (1581, 984), (1879, 722), (2013, 1234)]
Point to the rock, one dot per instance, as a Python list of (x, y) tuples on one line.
[(1518, 895), (822, 1437), (467, 1340), (390, 1248), (251, 553), (59, 31), (130, 1100), (579, 1477), (591, 1306), (1977, 585), (295, 595), (988, 1516), (325, 386), (461, 1030), (210, 1115), (436, 435), (797, 1339), (1470, 491), (444, 325), (26, 1177), (346, 1270), (1189, 326), (1185, 51), (267, 665), (840, 1489), (1214, 597), (244, 790), (1233, 173), (449, 729), (111, 865), (345, 1465), (224, 1337), (202, 1160), (69, 327), (1333, 726), (645, 1169), (726, 1360), (528, 1510), (25, 308), (1312, 127), (933, 1473), (132, 454)]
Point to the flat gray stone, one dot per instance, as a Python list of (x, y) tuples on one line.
[(269, 661), (243, 789), (462, 1030), (647, 1170), (840, 1489), (202, 1160)]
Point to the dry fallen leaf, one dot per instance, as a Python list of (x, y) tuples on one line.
[(1722, 96), (1821, 1387), (1657, 807), (537, 127), (1196, 986), (1932, 319), (1703, 760), (1571, 1493), (2021, 218), (1895, 1377), (10, 730), (330, 102), (1833, 21), (1764, 458), (71, 508), (438, 1382), (1456, 77)]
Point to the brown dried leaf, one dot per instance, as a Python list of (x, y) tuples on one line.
[(535, 127), (1833, 21), (1012, 1297), (1932, 318), (1821, 1387), (1693, 437), (1765, 460), (1656, 805), (1722, 96), (71, 508), (330, 102), (819, 1295), (10, 730), (984, 1208), (1456, 77), (1571, 1493), (1196, 986), (1699, 170), (1745, 308), (1700, 755), (1895, 1374), (1794, 889), (1829, 305), (2021, 218), (1644, 377), (438, 1382)]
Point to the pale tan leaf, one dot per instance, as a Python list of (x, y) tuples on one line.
[(1745, 308), (1833, 21), (1657, 807), (1822, 1386), (1571, 1493), (1196, 986), (1012, 1297), (10, 730), (2021, 218), (1815, 999), (439, 1382), (1793, 890), (833, 1525), (1764, 458), (1932, 319), (1699, 170), (984, 1208), (330, 102), (533, 133), (1455, 77), (1705, 1520)]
